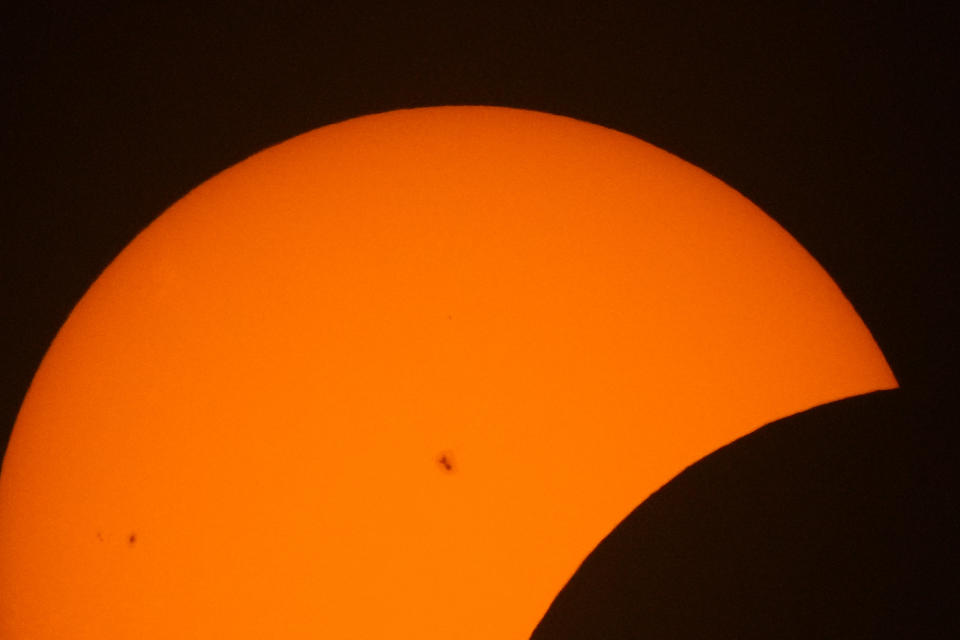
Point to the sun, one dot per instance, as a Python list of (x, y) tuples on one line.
[(396, 377)]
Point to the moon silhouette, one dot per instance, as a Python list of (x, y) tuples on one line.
[(419, 364)]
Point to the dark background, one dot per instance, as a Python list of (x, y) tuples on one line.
[(835, 118)]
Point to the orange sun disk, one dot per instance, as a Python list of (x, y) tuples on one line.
[(396, 378)]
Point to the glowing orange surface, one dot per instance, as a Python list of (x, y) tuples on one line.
[(238, 431)]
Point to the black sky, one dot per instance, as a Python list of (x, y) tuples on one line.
[(835, 119)]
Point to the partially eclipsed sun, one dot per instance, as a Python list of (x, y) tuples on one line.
[(396, 378)]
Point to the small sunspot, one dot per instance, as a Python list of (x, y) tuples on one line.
[(445, 460)]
